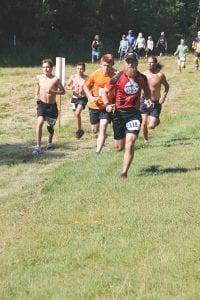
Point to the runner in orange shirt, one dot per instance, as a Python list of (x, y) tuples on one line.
[(99, 117)]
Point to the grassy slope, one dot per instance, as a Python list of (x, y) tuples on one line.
[(72, 230)]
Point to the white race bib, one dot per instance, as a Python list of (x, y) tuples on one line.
[(131, 88), (100, 91), (73, 106), (50, 121), (133, 125)]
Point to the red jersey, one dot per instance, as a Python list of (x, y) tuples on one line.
[(128, 92)]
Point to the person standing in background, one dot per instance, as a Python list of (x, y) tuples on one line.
[(161, 44), (140, 45), (131, 39), (149, 46), (96, 48), (123, 47)]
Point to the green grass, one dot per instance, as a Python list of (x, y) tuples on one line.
[(71, 229)]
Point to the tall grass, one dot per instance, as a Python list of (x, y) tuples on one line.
[(71, 229)]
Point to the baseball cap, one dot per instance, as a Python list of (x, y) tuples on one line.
[(131, 56)]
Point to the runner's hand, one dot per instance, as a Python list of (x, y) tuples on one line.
[(94, 99), (110, 107)]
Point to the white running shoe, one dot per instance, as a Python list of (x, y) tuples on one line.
[(49, 146), (36, 150)]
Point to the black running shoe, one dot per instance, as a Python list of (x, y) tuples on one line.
[(79, 134)]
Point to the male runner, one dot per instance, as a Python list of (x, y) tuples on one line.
[(181, 51), (79, 99), (99, 117), (47, 87), (151, 113), (127, 118)]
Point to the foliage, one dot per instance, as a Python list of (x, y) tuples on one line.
[(49, 25)]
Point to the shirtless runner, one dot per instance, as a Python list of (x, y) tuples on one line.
[(151, 109), (47, 87), (79, 99)]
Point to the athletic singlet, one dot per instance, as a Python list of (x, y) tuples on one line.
[(127, 93)]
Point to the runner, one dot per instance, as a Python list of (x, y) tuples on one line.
[(196, 48), (99, 117), (79, 99), (47, 87), (181, 51), (127, 118), (151, 113)]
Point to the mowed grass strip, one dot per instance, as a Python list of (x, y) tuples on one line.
[(71, 229)]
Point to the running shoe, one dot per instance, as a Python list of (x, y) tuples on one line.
[(36, 150), (49, 146), (79, 134)]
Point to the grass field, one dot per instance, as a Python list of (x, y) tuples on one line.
[(71, 229)]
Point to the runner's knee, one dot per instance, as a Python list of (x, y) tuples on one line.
[(50, 129)]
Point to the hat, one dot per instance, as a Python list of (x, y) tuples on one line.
[(131, 56)]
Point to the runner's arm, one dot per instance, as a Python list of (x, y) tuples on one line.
[(108, 106), (69, 83), (89, 94), (58, 88), (166, 86), (37, 90)]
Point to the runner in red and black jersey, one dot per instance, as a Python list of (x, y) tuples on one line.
[(127, 118)]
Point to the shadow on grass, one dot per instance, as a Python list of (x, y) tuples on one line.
[(156, 170), (184, 141), (13, 154)]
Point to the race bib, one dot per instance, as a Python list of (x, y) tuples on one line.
[(100, 91), (73, 106), (131, 88), (50, 121), (133, 125)]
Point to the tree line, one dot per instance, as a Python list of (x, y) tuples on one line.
[(37, 28)]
